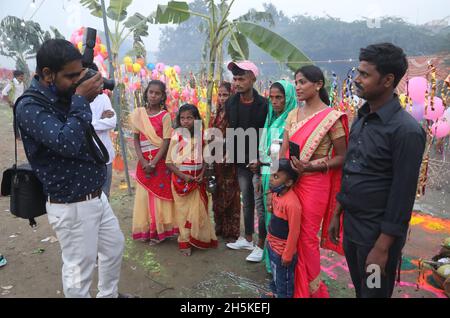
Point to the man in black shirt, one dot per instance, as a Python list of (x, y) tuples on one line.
[(380, 175), (247, 111)]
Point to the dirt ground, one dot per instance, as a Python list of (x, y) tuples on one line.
[(34, 260)]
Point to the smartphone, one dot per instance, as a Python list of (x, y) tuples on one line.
[(294, 150)]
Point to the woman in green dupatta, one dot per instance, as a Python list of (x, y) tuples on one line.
[(282, 101)]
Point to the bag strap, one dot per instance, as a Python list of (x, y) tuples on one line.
[(94, 143), (26, 94), (92, 140)]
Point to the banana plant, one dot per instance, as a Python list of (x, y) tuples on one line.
[(236, 32), (124, 26), (20, 40)]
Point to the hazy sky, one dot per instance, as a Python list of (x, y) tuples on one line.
[(68, 15)]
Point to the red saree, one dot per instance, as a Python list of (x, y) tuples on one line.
[(153, 213), (317, 193)]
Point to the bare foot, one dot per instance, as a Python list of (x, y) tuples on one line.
[(186, 251)]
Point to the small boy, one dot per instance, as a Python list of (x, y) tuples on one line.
[(284, 230)]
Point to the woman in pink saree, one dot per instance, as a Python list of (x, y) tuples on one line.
[(322, 134)]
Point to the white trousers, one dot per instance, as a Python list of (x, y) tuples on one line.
[(85, 231)]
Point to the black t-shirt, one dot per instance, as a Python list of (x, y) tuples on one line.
[(246, 116)]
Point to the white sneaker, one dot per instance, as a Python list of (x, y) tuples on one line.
[(241, 244), (256, 256)]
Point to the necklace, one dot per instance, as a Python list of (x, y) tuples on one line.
[(152, 111), (307, 114)]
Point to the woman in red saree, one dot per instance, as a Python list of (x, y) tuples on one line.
[(153, 213), (185, 160), (322, 134)]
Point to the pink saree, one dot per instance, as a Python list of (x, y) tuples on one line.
[(317, 194)]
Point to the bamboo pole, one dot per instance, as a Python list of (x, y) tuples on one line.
[(116, 100)]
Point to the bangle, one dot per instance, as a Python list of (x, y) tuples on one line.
[(328, 167)]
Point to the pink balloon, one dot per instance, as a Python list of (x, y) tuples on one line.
[(100, 58), (438, 111), (417, 111), (160, 67), (73, 39), (175, 94), (440, 129), (154, 75), (417, 89), (177, 69), (185, 95)]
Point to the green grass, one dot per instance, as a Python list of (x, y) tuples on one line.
[(146, 259)]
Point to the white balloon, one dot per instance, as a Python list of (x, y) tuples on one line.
[(447, 114)]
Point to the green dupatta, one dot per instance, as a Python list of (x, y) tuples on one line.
[(274, 129)]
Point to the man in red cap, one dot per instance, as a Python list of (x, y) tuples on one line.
[(248, 110)]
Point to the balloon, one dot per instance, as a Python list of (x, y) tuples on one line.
[(137, 85), (417, 111), (177, 69), (447, 114), (77, 36), (402, 99), (129, 68), (160, 67), (175, 94), (169, 71), (103, 48), (73, 39), (143, 72), (440, 128), (154, 75), (417, 88), (136, 67), (127, 60), (125, 80), (185, 95), (151, 66), (80, 46), (438, 111), (100, 59)]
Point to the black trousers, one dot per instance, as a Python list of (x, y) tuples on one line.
[(371, 285)]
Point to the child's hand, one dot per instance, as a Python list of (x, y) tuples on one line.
[(286, 263), (189, 178), (200, 177)]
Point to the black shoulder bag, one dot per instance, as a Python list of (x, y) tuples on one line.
[(27, 199), (21, 183)]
